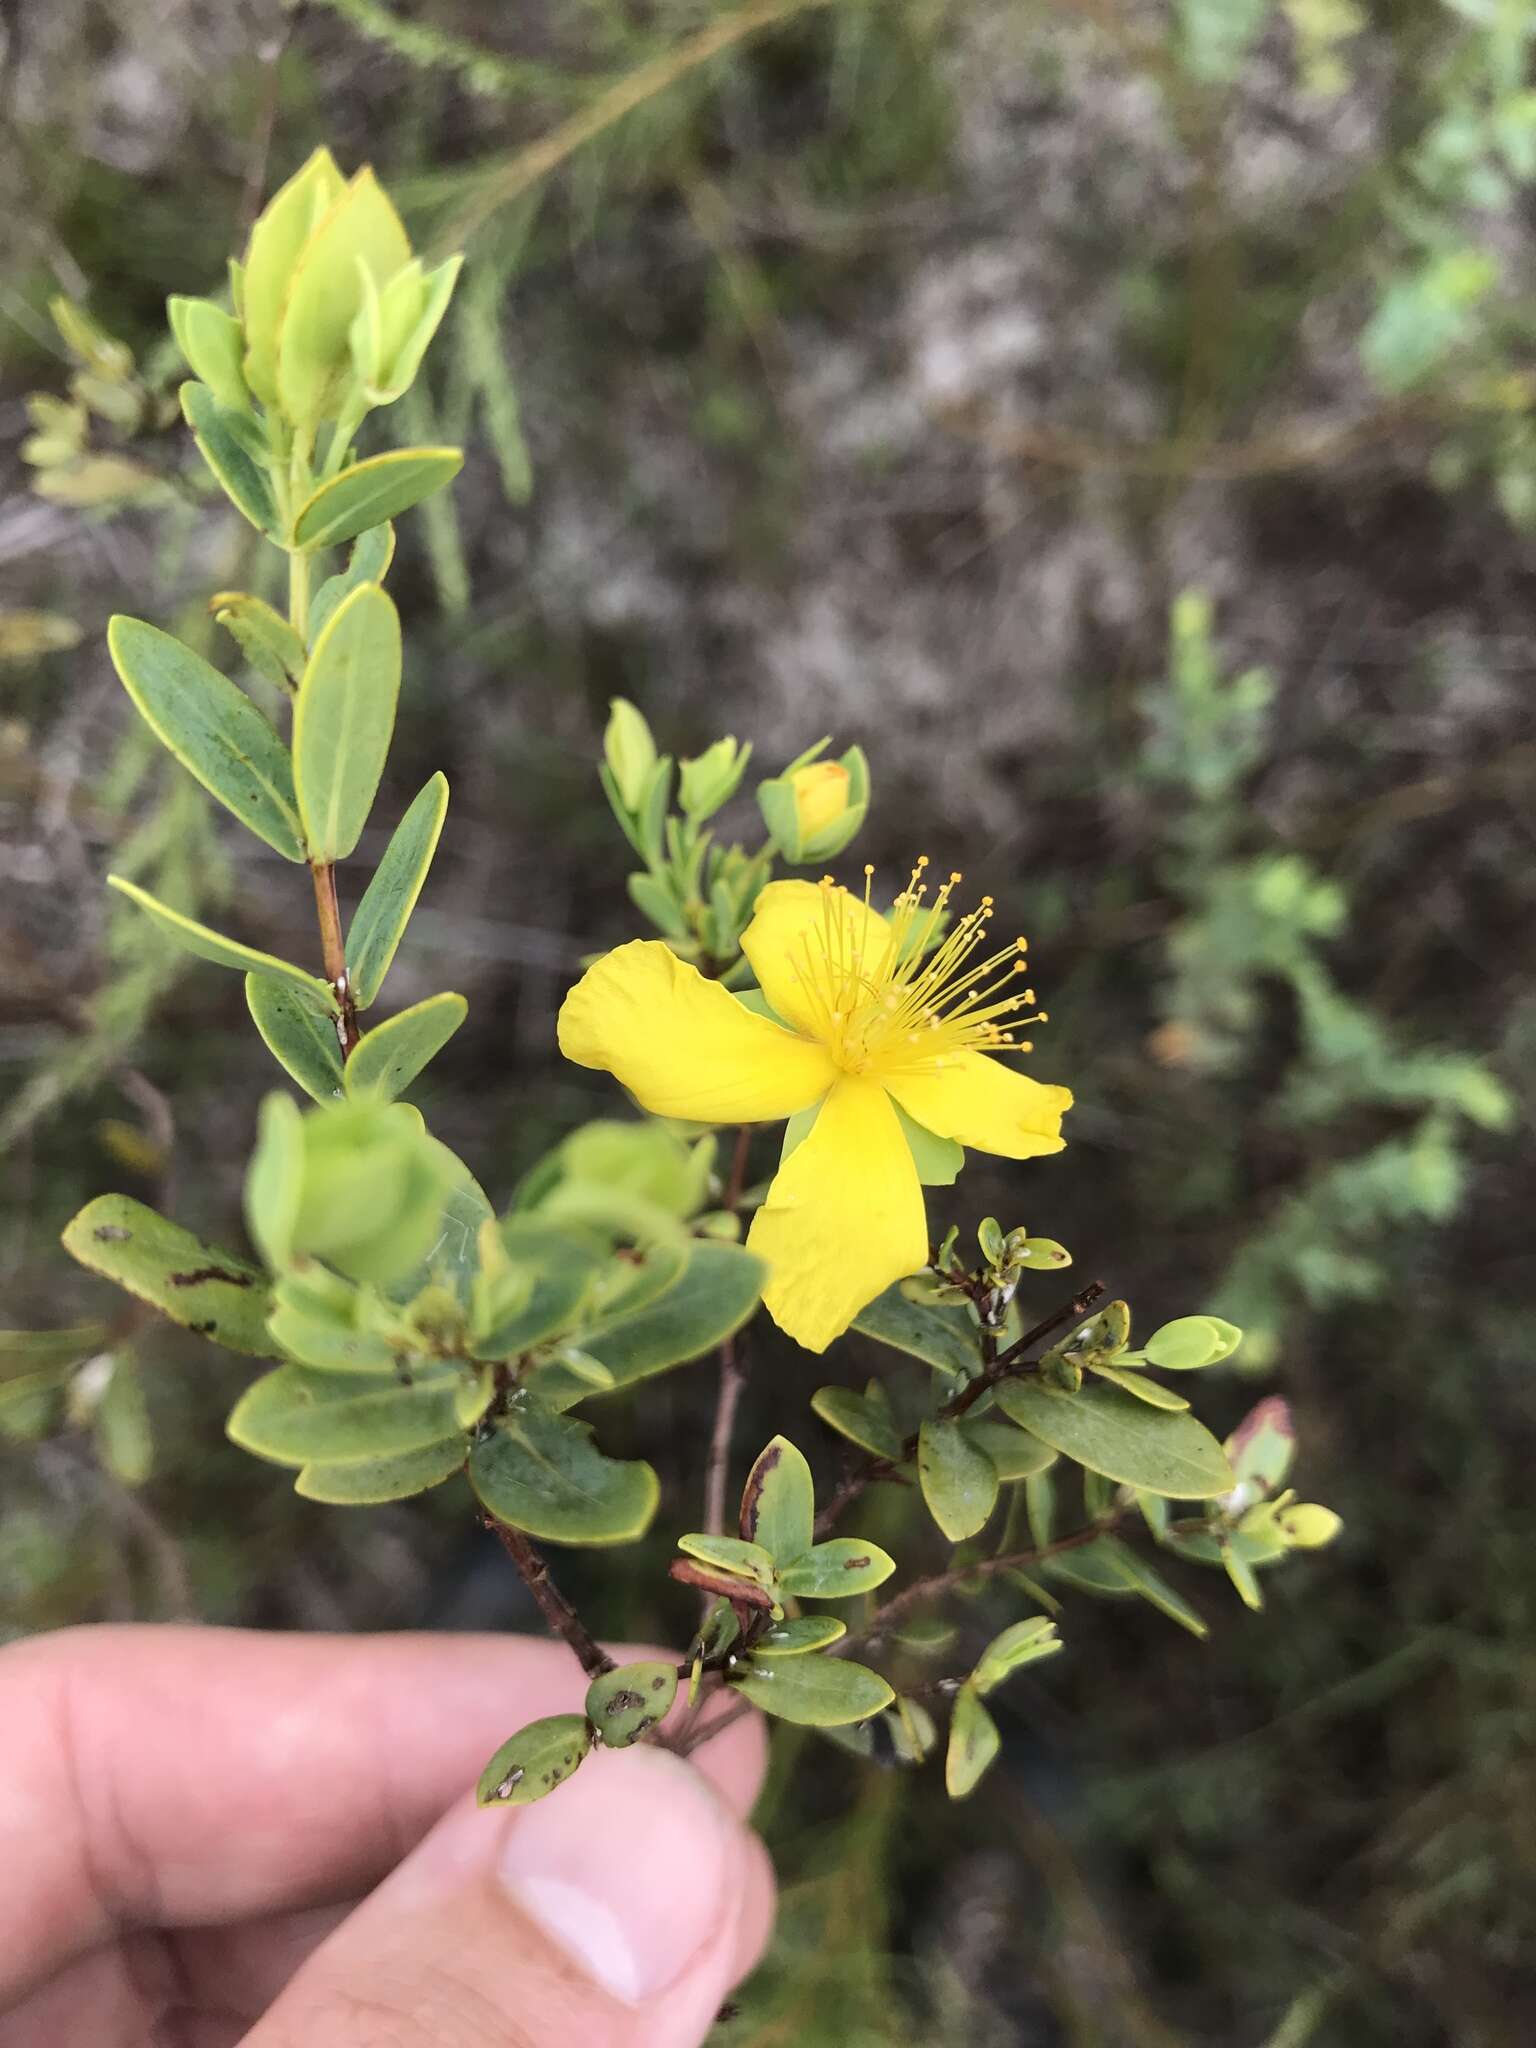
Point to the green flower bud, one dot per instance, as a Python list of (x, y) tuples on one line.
[(366, 1193), (393, 326), (815, 807), (277, 240), (1308, 1526), (213, 346), (712, 779), (629, 751), (361, 232)]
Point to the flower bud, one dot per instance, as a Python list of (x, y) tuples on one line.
[(277, 240), (629, 751), (392, 328), (712, 780), (815, 807), (1308, 1526), (213, 346)]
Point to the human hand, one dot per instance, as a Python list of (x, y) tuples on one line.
[(211, 1835)]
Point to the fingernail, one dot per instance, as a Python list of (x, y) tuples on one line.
[(626, 1867)]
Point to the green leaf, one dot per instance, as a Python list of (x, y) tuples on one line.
[(1141, 1388), (536, 1760), (973, 1744), (1092, 1569), (344, 719), (298, 1417), (836, 1571), (328, 1346), (25, 1352), (1108, 1432), (815, 1692), (1014, 1453), (373, 491), (1155, 1589), (196, 1284), (804, 1633), (719, 1290), (778, 1503), (215, 429), (265, 637), (387, 1059), (212, 728), (390, 897), (122, 1431), (274, 1180), (564, 1269), (865, 1419), (733, 1554), (640, 1281), (367, 1481), (622, 1705), (299, 1030), (543, 1474), (942, 1336), (210, 945), (959, 1480), (1185, 1344), (1025, 1643), (372, 553)]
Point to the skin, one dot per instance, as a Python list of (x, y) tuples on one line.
[(224, 1836)]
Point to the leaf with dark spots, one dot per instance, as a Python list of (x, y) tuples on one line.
[(203, 1273)]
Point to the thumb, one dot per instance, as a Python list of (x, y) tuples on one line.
[(617, 1913)]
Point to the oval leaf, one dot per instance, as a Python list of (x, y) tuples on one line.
[(344, 719), (536, 1760), (973, 1744), (1014, 1453), (836, 1570), (372, 553), (865, 1419), (816, 1692), (543, 1474), (370, 492), (198, 1285), (1185, 1344), (804, 1633), (942, 1336), (367, 1481), (328, 1346), (299, 1030), (298, 1417), (390, 897), (212, 728), (1140, 1388), (622, 1705), (1108, 1432), (211, 945), (959, 1480), (218, 439), (718, 1291), (778, 1503), (388, 1059), (1025, 1643)]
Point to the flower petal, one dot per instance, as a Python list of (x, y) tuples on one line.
[(684, 1046), (978, 1101), (787, 940), (844, 1216)]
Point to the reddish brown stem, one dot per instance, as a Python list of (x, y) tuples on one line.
[(550, 1601), (733, 1372), (334, 952)]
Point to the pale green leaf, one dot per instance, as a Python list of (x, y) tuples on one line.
[(815, 1692), (387, 1059), (211, 945), (1106, 1431), (391, 896), (536, 1760), (543, 1474), (212, 728), (299, 1030), (973, 1744), (802, 1634), (942, 1336), (367, 1481), (299, 1417), (1027, 1642), (373, 491), (216, 430), (625, 1704), (865, 1419), (778, 1502), (959, 1480), (343, 720), (196, 1284), (837, 1570)]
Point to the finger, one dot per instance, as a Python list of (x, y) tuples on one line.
[(186, 1777), (616, 1913)]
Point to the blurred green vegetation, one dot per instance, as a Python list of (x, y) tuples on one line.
[(1117, 419)]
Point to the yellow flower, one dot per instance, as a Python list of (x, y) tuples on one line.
[(867, 1024)]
